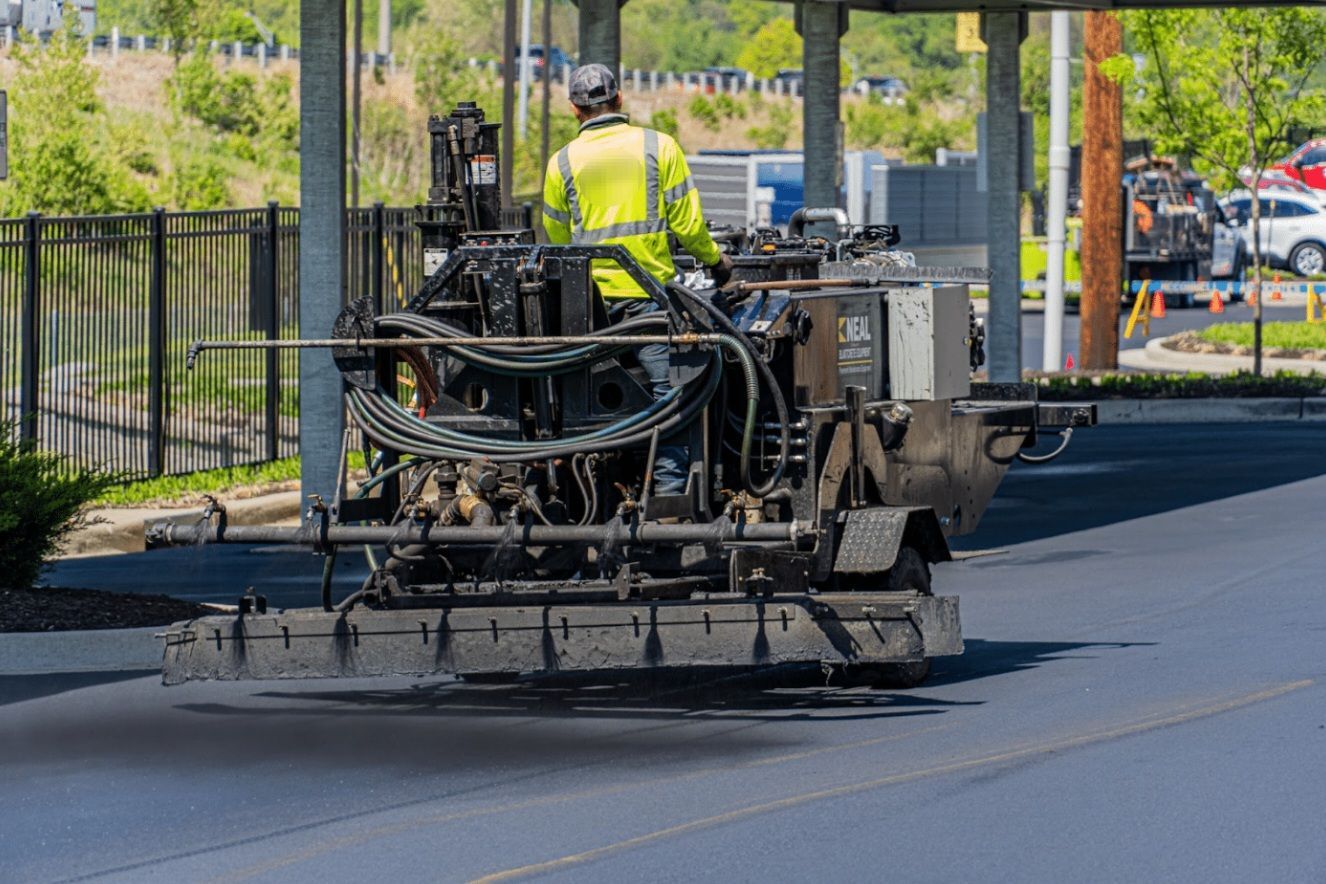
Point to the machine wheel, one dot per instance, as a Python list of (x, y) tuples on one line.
[(1309, 259), (910, 573)]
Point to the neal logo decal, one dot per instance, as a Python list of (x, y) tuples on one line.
[(854, 329), (855, 343)]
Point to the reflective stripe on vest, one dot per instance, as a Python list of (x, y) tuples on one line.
[(672, 194), (572, 198)]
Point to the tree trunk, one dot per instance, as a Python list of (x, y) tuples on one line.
[(1102, 195)]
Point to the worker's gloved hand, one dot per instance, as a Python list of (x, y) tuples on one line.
[(721, 273)]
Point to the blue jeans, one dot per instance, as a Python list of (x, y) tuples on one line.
[(673, 461)]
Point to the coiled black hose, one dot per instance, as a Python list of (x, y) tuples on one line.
[(391, 426), (775, 393)]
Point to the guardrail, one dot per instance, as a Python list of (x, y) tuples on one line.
[(635, 79)]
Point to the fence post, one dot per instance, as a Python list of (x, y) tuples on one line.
[(273, 399), (156, 346), (31, 364), (380, 257)]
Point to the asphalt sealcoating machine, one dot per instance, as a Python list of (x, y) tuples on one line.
[(835, 438)]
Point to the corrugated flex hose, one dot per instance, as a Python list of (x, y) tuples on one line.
[(752, 394)]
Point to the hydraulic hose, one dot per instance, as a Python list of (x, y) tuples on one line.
[(330, 562), (391, 426), (775, 392), (526, 362)]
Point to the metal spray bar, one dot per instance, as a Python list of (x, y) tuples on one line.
[(684, 339), (533, 535)]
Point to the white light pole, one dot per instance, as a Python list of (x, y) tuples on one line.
[(526, 13), (1057, 210)]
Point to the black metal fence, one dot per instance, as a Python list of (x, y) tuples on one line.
[(97, 313)]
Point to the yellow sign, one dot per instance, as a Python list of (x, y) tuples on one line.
[(969, 32)]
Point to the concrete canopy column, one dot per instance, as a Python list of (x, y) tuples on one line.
[(1003, 35), (821, 24), (321, 236), (601, 33)]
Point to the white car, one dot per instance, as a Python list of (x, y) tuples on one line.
[(1293, 229)]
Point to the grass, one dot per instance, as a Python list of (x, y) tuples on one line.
[(1193, 385), (190, 487), (1284, 335)]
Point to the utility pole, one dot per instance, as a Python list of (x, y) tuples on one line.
[(1102, 194), (384, 29), (508, 100), (356, 102), (526, 13), (545, 135), (1002, 149), (1056, 227)]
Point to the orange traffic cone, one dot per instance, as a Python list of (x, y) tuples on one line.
[(1158, 305), (1217, 304), (1069, 364), (1276, 295)]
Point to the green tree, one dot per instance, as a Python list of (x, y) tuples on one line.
[(60, 162), (441, 77), (1225, 87), (178, 20), (774, 46)]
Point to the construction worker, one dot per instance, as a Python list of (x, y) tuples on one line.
[(627, 185)]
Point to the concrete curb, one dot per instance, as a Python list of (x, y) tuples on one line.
[(122, 530), (83, 650), (1209, 411), (1157, 356)]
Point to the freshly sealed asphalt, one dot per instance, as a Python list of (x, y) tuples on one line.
[(1141, 699)]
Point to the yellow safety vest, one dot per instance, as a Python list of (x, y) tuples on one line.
[(624, 184)]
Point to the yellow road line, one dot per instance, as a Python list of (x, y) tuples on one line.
[(893, 779)]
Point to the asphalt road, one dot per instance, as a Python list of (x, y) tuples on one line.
[(1176, 320), (1141, 699)]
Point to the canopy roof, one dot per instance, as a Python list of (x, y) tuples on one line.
[(1044, 5)]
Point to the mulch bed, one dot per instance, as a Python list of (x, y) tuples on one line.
[(1191, 342), (47, 609)]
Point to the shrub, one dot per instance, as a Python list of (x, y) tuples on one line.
[(42, 501), (1192, 385), (199, 184), (704, 111), (774, 134), (665, 121), (728, 107)]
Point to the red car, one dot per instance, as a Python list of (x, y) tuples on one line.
[(1307, 164)]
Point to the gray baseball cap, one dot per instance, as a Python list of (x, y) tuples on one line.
[(592, 84)]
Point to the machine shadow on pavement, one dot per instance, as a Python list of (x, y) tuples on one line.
[(786, 693), (985, 659)]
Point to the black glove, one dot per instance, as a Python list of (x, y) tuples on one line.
[(721, 273)]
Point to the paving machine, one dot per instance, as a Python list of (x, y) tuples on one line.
[(824, 399)]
